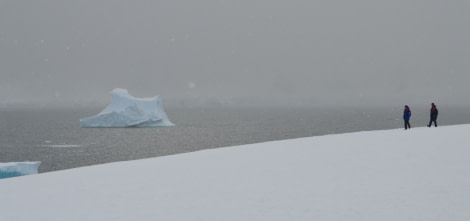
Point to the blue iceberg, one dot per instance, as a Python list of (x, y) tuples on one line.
[(15, 169), (128, 111)]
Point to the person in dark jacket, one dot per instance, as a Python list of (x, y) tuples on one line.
[(433, 115), (406, 117)]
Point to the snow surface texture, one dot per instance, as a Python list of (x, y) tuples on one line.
[(418, 174), (128, 111), (15, 169)]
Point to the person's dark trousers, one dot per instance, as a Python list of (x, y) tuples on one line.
[(430, 122), (407, 124)]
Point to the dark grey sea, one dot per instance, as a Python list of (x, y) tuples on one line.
[(54, 136)]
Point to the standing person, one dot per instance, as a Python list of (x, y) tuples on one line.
[(406, 117), (433, 115)]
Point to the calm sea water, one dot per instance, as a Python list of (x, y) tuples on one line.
[(55, 137)]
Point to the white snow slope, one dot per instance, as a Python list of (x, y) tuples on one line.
[(419, 174), (128, 111)]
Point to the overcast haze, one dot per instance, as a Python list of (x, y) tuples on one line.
[(363, 51)]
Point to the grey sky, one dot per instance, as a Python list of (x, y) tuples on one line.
[(363, 51)]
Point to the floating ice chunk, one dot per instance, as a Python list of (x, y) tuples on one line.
[(128, 111), (14, 169), (61, 145)]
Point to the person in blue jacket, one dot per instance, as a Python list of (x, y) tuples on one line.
[(406, 117)]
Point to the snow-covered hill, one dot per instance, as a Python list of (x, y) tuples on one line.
[(419, 174)]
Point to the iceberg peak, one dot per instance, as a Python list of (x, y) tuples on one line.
[(126, 110)]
